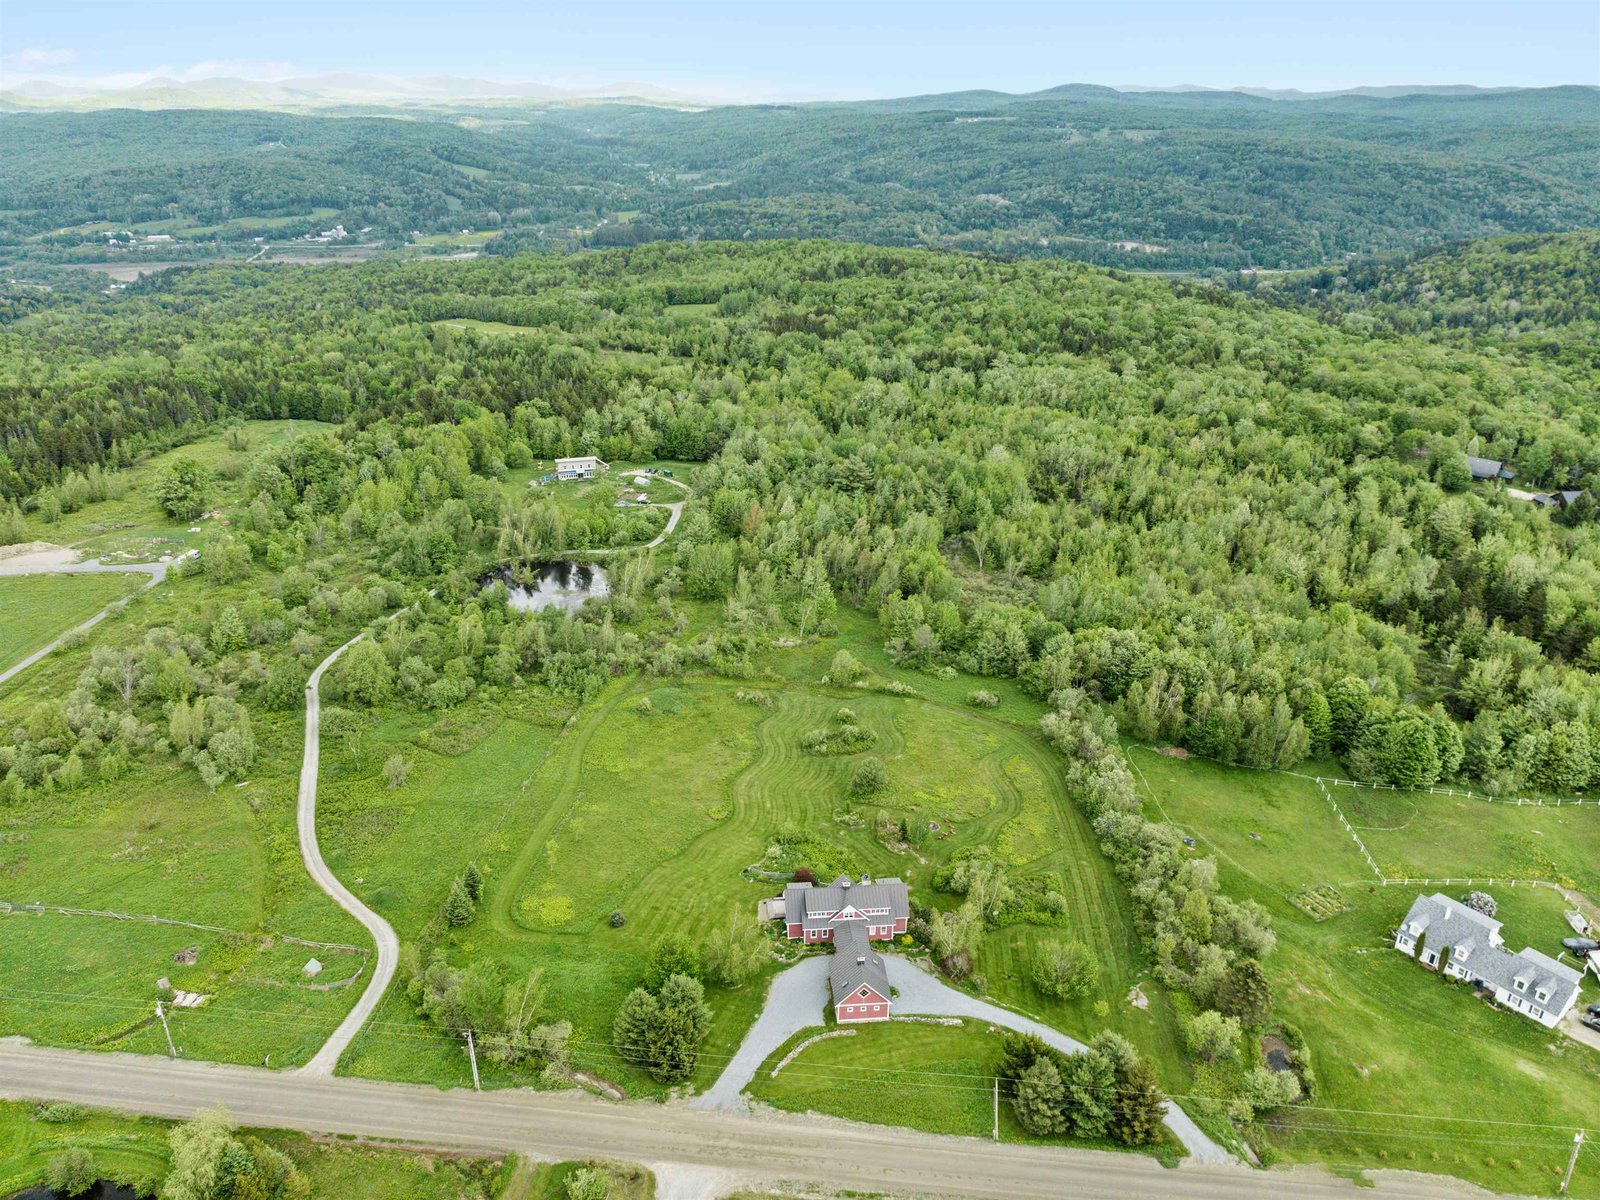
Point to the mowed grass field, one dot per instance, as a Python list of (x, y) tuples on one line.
[(37, 609), (933, 1077), (1412, 1072), (656, 813)]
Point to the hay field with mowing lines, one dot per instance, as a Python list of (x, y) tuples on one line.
[(37, 609), (656, 813), (1386, 1035)]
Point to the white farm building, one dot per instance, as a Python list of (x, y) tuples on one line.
[(585, 466)]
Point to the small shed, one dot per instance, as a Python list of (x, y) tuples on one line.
[(312, 968), (772, 910)]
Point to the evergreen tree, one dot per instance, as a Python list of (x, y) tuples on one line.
[(1138, 1110)]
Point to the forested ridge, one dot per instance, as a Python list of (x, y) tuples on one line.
[(1235, 527), (1169, 181), (1539, 294)]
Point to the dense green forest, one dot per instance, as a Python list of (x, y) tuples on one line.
[(1540, 295), (1151, 180), (1236, 528)]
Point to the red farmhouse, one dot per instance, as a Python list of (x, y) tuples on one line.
[(851, 916)]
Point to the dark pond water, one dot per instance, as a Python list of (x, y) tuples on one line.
[(561, 584), (100, 1191)]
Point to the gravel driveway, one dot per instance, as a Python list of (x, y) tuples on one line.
[(796, 1002)]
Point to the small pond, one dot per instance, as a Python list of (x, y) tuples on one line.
[(104, 1190), (561, 584)]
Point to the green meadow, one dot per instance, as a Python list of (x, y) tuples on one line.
[(656, 810), (37, 609), (134, 1151), (1488, 1095)]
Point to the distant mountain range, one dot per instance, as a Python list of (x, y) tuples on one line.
[(319, 91), (346, 88)]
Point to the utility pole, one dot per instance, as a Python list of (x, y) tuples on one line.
[(171, 1049), (997, 1108), (472, 1052), (1577, 1144)]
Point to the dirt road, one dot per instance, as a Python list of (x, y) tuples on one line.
[(753, 1152), (383, 935)]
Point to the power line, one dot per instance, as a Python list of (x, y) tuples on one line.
[(840, 1072)]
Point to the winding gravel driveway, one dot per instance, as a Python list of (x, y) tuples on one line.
[(674, 511), (800, 993), (327, 1058)]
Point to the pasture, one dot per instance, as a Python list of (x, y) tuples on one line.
[(1489, 1095), (37, 609)]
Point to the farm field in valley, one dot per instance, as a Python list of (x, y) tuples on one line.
[(1374, 1019), (37, 609)]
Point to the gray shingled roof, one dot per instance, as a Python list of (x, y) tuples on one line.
[(1488, 468), (855, 964), (1448, 924), (882, 902)]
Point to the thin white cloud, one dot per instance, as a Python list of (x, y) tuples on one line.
[(254, 70), (34, 58)]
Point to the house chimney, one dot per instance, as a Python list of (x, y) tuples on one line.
[(861, 960), (845, 882)]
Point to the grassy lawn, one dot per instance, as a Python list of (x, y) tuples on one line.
[(133, 525), (937, 1078), (37, 609), (1387, 1036), (134, 1151)]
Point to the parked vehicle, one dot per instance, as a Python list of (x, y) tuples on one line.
[(1594, 1010), (1582, 947), (1591, 1022)]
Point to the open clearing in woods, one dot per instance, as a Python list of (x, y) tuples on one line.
[(1386, 1035)]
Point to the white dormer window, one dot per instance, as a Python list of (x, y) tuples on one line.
[(1542, 995), (1520, 984)]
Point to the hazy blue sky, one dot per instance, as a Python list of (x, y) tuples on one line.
[(762, 49)]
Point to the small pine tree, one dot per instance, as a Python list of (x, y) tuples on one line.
[(472, 880), (458, 906), (1138, 1109), (1245, 993), (1040, 1099), (228, 632)]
